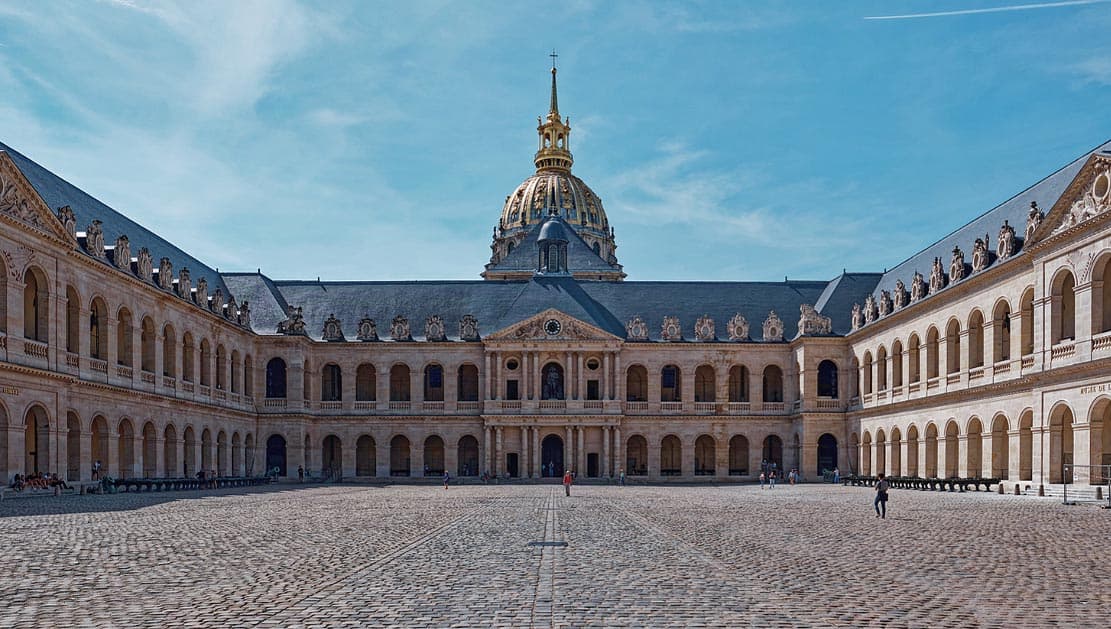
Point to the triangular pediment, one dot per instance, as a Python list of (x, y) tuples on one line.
[(20, 203), (1085, 198), (539, 327)]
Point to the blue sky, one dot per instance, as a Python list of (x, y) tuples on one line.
[(728, 140)]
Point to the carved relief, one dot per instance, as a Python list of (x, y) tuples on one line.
[(399, 329), (956, 265), (165, 273), (871, 311), (216, 304), (14, 203), (636, 329), (68, 220), (937, 276), (737, 328), (858, 317), (201, 294), (1006, 245), (886, 304), (704, 329), (773, 327), (468, 328), (900, 294), (434, 329), (530, 330), (184, 284), (918, 286), (811, 323), (121, 255), (294, 323), (980, 256), (245, 314), (144, 264), (333, 329), (1033, 221), (368, 330), (231, 310), (94, 239), (671, 330)]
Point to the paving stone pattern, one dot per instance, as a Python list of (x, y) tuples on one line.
[(526, 555)]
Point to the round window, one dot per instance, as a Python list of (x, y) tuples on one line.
[(511, 364), (592, 364), (1101, 186)]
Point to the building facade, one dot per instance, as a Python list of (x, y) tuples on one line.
[(117, 346)]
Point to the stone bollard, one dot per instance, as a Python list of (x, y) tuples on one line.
[(1099, 493), (1000, 489), (1041, 491), (1017, 492)]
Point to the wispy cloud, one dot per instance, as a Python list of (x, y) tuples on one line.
[(1013, 7)]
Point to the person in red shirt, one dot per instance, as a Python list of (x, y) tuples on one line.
[(567, 482)]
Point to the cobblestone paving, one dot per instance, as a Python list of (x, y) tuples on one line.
[(525, 555)]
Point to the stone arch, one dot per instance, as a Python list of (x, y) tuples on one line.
[(434, 456), (1101, 293), (914, 364), (399, 454), (976, 338), (206, 363), (467, 384), (222, 453), (854, 453), (671, 383), (974, 459), (1026, 321), (169, 451), (896, 364), (189, 447), (147, 340), (636, 384), (866, 370), (553, 381), (738, 455), (234, 372), (705, 456), (671, 456), (434, 382), (331, 383), (881, 368), (1000, 447), (1061, 442), (933, 353), (276, 379), (1001, 331), (881, 451), (73, 445), (276, 454), (73, 319), (98, 328), (1099, 446), (705, 384), (467, 459), (912, 451), (827, 379), (827, 454), (36, 305), (206, 451), (953, 346), (366, 383), (773, 451), (866, 454), (221, 367), (125, 449), (738, 383), (400, 383), (169, 351), (249, 454), (1062, 317), (98, 435), (366, 456), (331, 457), (187, 357), (248, 376), (124, 334), (952, 449), (150, 450), (895, 465), (773, 384), (36, 440), (636, 455), (236, 455)]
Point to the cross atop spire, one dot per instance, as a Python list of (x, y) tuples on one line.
[(554, 107), (554, 151), (553, 56)]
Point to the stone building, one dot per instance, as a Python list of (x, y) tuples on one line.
[(117, 346)]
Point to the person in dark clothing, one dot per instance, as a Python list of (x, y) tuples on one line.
[(880, 503)]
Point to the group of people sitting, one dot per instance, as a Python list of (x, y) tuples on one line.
[(38, 480)]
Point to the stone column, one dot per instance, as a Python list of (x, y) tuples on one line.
[(568, 450), (604, 472), (607, 386), (1014, 454), (486, 449), (922, 454), (618, 450), (904, 456), (581, 466), (416, 386), (962, 457), (522, 457), (526, 383), (721, 455), (580, 389), (987, 455), (485, 380), (499, 451), (653, 439), (537, 376), (499, 381), (537, 459), (618, 380)]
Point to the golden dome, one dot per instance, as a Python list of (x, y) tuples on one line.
[(533, 200)]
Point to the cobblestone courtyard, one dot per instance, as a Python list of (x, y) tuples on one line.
[(528, 556)]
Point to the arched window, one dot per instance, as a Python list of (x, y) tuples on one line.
[(1101, 296), (1026, 320), (221, 367), (636, 384), (467, 389), (275, 378), (206, 363), (953, 347), (881, 369), (147, 341), (1001, 331), (73, 321), (976, 339), (866, 370), (434, 383), (1063, 315), (896, 364), (235, 372), (366, 383), (36, 306), (248, 378), (704, 384), (827, 379), (773, 384), (124, 334), (933, 349), (331, 383), (670, 384), (738, 383), (914, 358), (399, 383), (187, 361), (169, 352)]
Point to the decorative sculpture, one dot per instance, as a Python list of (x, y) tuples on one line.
[(294, 323), (900, 294), (333, 329), (144, 264), (399, 329), (773, 327), (68, 220), (858, 317), (671, 331), (918, 286), (811, 323), (368, 330), (1006, 245), (94, 239), (468, 328), (165, 273), (184, 284), (1033, 221), (704, 329), (871, 311), (121, 255), (737, 328), (956, 265), (937, 276), (434, 329), (636, 329), (981, 258)]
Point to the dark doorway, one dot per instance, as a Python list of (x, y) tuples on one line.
[(827, 453), (331, 458), (511, 465), (275, 454), (592, 465), (551, 455), (773, 452)]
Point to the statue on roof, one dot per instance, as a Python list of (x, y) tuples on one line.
[(671, 330), (737, 328), (704, 329), (937, 276), (245, 314), (294, 323), (1006, 245), (773, 327), (1033, 221), (811, 323), (399, 329), (956, 265), (368, 329), (68, 220), (121, 254), (333, 329), (886, 303), (636, 329), (900, 294), (434, 329), (144, 264), (468, 328), (980, 254), (94, 239), (918, 286), (165, 273), (858, 317)]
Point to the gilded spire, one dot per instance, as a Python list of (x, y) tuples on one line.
[(553, 109), (555, 135)]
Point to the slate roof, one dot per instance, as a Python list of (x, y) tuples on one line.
[(57, 192), (500, 304), (1014, 210), (580, 257)]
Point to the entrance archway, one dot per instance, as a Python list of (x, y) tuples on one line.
[(365, 456), (1000, 448), (1060, 444), (468, 456), (36, 444), (773, 451), (433, 456), (671, 456), (331, 457), (551, 455), (126, 449), (738, 456), (636, 456), (169, 452), (275, 454), (399, 456), (73, 446), (827, 453), (705, 454)]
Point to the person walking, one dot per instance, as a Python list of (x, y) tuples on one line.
[(447, 478), (96, 470), (621, 477), (300, 473), (763, 479), (836, 476), (880, 503), (771, 478), (567, 480)]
